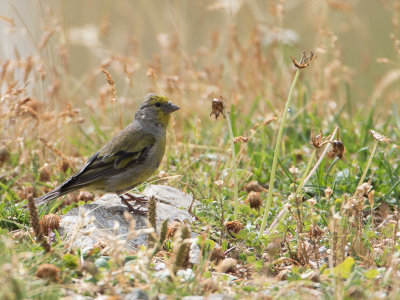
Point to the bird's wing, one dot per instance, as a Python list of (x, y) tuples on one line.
[(119, 153)]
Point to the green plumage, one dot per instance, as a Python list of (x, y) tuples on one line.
[(127, 159)]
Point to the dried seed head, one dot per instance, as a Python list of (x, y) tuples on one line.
[(241, 139), (234, 226), (111, 84), (217, 107), (371, 197), (312, 201), (228, 265), (217, 255), (85, 196), (181, 248), (363, 189), (64, 165), (337, 149), (253, 186), (172, 228), (318, 140), (48, 271), (151, 213), (380, 137), (69, 199), (304, 60), (49, 223), (44, 173), (269, 120), (209, 285), (328, 192), (4, 156), (254, 200)]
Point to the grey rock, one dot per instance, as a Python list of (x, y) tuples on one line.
[(103, 220), (210, 297), (136, 294)]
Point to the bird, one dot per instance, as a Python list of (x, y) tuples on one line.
[(128, 159)]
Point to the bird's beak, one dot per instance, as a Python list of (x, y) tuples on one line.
[(170, 108)]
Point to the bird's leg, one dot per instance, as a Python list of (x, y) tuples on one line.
[(138, 199), (131, 208)]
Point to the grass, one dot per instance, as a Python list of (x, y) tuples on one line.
[(333, 223)]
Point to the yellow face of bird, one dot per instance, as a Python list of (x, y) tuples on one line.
[(156, 108)]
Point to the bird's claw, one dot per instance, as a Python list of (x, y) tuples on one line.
[(137, 209), (138, 199)]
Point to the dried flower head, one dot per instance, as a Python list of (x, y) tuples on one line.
[(254, 200), (371, 195), (363, 189), (217, 107), (234, 226), (253, 186), (44, 173), (337, 149), (48, 271), (304, 60), (380, 137), (217, 255), (111, 83), (49, 223), (4, 155), (241, 139), (328, 192), (312, 201), (85, 196), (228, 265), (318, 140), (269, 120)]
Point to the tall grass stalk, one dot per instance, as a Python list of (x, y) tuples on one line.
[(368, 163), (234, 167), (276, 154)]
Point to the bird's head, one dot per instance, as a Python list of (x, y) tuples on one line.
[(156, 108)]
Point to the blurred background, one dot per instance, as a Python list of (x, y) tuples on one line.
[(53, 52)]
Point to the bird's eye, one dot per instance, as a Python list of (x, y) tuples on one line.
[(157, 104)]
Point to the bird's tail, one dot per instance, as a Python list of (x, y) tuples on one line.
[(49, 196)]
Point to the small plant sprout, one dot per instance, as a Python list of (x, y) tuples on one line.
[(304, 62), (378, 138), (218, 108)]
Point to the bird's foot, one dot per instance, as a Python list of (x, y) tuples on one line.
[(134, 209), (138, 199)]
